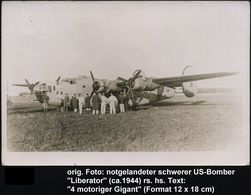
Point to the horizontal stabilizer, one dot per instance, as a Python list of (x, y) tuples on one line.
[(21, 85)]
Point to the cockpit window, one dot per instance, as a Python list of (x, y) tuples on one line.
[(70, 80)]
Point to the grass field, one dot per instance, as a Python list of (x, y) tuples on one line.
[(204, 123)]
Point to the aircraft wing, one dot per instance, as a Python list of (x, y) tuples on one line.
[(177, 81)]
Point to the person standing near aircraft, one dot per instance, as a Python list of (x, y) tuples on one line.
[(126, 102), (61, 107), (61, 99), (113, 103), (74, 103), (104, 101), (87, 102), (45, 102), (121, 100), (70, 105), (95, 104), (80, 103), (66, 102)]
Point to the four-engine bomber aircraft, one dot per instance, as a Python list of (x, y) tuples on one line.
[(139, 86), (140, 89)]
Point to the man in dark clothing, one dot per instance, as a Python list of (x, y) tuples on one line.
[(87, 102), (74, 103), (126, 102), (70, 106), (121, 100), (95, 104)]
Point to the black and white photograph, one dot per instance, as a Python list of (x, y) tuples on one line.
[(125, 83)]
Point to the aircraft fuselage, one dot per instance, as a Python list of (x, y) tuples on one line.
[(57, 91)]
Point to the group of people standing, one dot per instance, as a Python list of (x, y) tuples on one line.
[(112, 101), (99, 103), (75, 103)]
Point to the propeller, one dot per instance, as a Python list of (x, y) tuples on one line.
[(30, 86), (131, 80), (130, 84), (28, 83)]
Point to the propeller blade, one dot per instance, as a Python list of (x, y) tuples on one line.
[(92, 93), (58, 79), (141, 97), (35, 84), (136, 74), (32, 86), (96, 84), (92, 77), (131, 96), (27, 81)]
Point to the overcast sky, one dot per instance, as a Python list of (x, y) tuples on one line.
[(42, 40)]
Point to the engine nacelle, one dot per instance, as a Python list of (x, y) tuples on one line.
[(189, 88), (168, 92)]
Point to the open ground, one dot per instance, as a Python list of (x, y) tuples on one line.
[(207, 122)]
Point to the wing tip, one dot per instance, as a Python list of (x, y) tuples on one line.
[(231, 73)]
